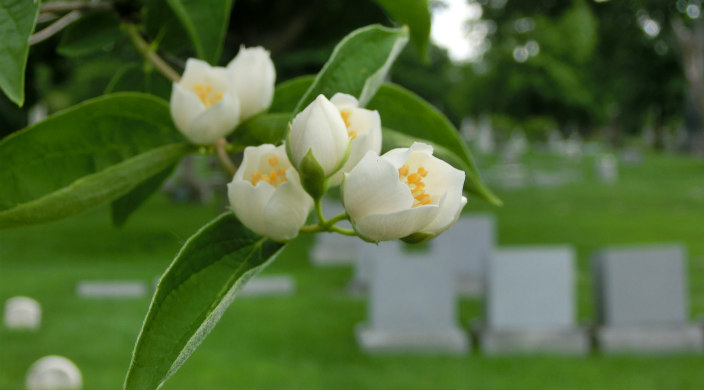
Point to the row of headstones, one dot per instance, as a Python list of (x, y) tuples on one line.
[(529, 295)]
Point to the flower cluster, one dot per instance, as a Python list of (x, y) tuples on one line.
[(406, 193)]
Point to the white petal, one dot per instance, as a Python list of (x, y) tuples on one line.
[(253, 76), (248, 203), (343, 100), (184, 107), (194, 72), (391, 226), (287, 211), (373, 187), (214, 122)]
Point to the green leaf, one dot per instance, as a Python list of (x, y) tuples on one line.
[(89, 34), (407, 113), (260, 129), (123, 207), (358, 65), (17, 18), (288, 93), (415, 14), (206, 23), (192, 295), (108, 145)]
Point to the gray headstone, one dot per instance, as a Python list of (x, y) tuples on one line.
[(530, 303), (641, 297), (53, 373), (606, 168), (366, 255), (268, 285), (22, 313), (466, 247), (111, 289), (412, 308)]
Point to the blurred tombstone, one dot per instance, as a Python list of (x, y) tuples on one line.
[(642, 300), (530, 303), (467, 247), (516, 147), (648, 136), (22, 313), (555, 141), (411, 308), (606, 168), (631, 156), (572, 146), (366, 255), (510, 176), (485, 136), (269, 285), (37, 113), (468, 129), (53, 373), (331, 248), (111, 289)]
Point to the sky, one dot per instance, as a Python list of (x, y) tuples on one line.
[(450, 32)]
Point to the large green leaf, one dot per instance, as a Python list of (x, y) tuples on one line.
[(358, 65), (206, 22), (200, 284), (127, 204), (260, 129), (409, 114), (126, 137), (415, 14), (89, 34), (17, 18)]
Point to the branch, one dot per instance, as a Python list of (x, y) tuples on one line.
[(221, 148), (149, 54), (60, 6), (54, 28)]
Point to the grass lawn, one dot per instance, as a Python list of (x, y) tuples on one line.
[(307, 340)]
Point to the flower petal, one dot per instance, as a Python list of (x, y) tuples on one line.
[(253, 77), (184, 106), (216, 121), (287, 210), (391, 226), (373, 187), (248, 201)]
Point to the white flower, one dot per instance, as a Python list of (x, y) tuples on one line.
[(266, 193), (253, 77), (204, 106), (319, 128), (403, 192), (363, 130)]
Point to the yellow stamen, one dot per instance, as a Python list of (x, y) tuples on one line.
[(403, 171), (352, 134), (273, 160), (275, 176), (415, 184), (206, 95), (345, 117)]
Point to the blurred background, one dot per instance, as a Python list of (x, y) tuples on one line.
[(584, 117)]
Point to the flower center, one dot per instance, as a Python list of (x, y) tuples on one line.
[(414, 181), (206, 94), (275, 176), (345, 114)]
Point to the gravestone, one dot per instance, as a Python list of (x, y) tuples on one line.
[(53, 373), (606, 168), (411, 308), (466, 247), (530, 303), (516, 146), (485, 136), (641, 297), (269, 285), (22, 313), (366, 255), (111, 289), (333, 249)]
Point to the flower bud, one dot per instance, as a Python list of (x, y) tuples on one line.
[(363, 130), (405, 193), (266, 193), (204, 106), (319, 128), (253, 77)]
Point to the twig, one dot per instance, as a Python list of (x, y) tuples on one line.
[(60, 6), (221, 148), (149, 54), (54, 28), (46, 17)]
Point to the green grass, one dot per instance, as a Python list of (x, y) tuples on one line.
[(306, 341)]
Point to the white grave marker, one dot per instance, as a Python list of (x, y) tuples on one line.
[(22, 313), (607, 168), (111, 289), (53, 373), (642, 300), (268, 285), (530, 303)]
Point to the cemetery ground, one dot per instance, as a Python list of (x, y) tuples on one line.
[(306, 340)]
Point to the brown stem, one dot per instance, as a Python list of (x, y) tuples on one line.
[(54, 28), (221, 148), (149, 54), (61, 6)]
